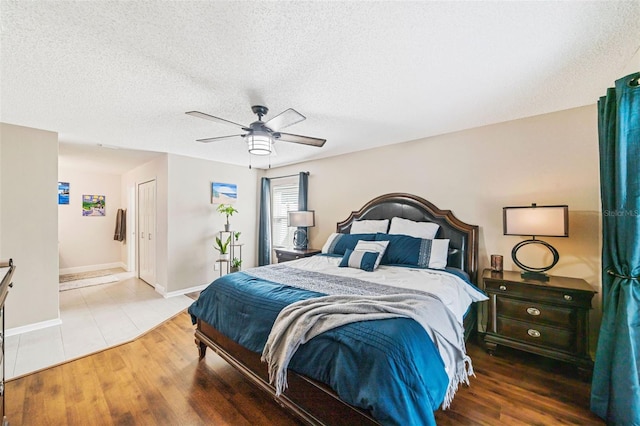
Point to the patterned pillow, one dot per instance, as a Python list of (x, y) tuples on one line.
[(339, 243), (365, 260), (374, 246), (423, 253)]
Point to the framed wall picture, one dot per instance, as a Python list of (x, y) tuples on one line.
[(93, 205), (63, 192), (224, 193)]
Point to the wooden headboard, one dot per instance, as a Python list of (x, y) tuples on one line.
[(463, 236)]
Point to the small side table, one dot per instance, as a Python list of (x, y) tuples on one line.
[(286, 254)]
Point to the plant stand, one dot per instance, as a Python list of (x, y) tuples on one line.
[(235, 251)]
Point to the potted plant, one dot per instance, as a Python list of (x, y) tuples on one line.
[(223, 247), (227, 210), (235, 264), (236, 235)]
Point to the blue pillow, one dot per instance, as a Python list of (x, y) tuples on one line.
[(365, 260), (418, 252), (339, 243)]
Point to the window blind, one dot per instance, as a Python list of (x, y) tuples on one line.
[(284, 198)]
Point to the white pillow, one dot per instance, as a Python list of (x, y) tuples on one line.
[(369, 226), (374, 246), (426, 230)]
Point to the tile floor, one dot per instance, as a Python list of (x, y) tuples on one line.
[(93, 318)]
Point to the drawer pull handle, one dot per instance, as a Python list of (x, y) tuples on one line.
[(533, 311), (533, 333), (503, 287), (568, 297)]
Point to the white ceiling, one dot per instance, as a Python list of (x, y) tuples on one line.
[(364, 74)]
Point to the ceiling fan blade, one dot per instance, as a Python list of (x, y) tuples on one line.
[(212, 118), (286, 118), (218, 138), (304, 140)]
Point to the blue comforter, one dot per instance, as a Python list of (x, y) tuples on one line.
[(390, 367)]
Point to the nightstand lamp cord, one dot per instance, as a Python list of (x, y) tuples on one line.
[(610, 272)]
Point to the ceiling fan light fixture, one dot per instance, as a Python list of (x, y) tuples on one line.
[(259, 143)]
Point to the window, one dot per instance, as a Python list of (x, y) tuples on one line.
[(284, 198)]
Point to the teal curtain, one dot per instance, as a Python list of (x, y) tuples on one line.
[(303, 190), (264, 224), (615, 390)]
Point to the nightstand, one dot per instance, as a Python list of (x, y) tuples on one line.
[(548, 318), (285, 254)]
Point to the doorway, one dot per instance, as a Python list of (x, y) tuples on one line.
[(147, 232)]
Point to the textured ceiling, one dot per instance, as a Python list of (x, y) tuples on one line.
[(364, 74)]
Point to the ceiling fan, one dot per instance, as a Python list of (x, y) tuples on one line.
[(261, 135)]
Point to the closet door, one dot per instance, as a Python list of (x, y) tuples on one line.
[(147, 232)]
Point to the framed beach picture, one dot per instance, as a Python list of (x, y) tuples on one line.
[(93, 205), (63, 192), (224, 193)]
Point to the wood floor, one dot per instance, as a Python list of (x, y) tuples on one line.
[(158, 379)]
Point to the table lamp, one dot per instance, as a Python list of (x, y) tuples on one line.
[(301, 220), (536, 221)]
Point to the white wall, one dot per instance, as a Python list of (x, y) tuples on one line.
[(548, 159), (29, 222), (86, 242)]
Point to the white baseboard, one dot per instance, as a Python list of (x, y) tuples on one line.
[(32, 327), (183, 291), (126, 275), (88, 268)]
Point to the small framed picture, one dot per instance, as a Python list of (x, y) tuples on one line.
[(63, 192), (93, 205), (224, 193)]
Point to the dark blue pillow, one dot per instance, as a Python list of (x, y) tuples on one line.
[(422, 253), (339, 243), (365, 260)]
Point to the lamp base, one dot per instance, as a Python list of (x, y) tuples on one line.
[(300, 239), (537, 276)]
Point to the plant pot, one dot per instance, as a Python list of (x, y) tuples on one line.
[(227, 227), (224, 256), (234, 269)]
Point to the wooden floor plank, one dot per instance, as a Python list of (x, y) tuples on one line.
[(158, 379)]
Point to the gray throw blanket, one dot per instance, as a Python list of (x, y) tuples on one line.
[(301, 321)]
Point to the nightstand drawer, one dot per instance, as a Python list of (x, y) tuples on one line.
[(288, 254), (567, 297), (286, 257), (537, 334), (535, 312)]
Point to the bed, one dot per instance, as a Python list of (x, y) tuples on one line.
[(325, 386)]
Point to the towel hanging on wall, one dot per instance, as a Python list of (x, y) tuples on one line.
[(121, 225)]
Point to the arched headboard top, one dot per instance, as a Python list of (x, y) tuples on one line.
[(463, 236)]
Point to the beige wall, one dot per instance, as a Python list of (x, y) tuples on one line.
[(87, 242), (194, 221), (157, 170), (29, 222), (547, 159), (186, 221)]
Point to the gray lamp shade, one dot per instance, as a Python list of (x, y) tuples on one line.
[(301, 218)]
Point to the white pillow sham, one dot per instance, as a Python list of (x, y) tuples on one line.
[(369, 226), (425, 230)]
